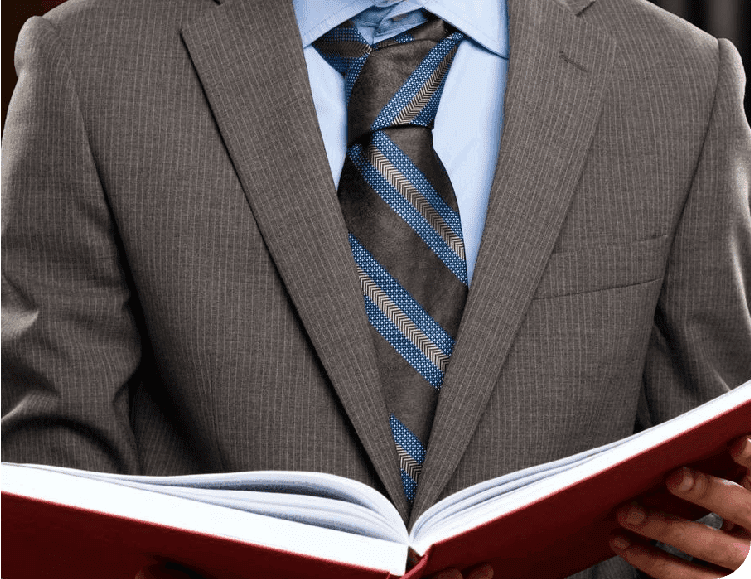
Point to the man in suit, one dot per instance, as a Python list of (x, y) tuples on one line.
[(179, 292)]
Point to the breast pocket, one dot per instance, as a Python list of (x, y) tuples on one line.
[(579, 354), (575, 367), (607, 266)]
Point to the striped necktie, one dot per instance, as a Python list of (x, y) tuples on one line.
[(403, 219)]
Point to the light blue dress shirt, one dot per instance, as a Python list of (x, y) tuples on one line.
[(467, 132)]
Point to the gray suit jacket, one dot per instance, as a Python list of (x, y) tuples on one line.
[(179, 293)]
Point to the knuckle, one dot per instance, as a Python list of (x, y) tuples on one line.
[(667, 529)]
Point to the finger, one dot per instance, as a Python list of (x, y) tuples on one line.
[(657, 563), (696, 539), (741, 453), (484, 571), (729, 500), (740, 450)]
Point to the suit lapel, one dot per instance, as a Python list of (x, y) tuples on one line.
[(249, 58), (558, 69)]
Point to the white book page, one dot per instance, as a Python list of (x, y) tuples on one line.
[(322, 512), (483, 502), (308, 497), (135, 503), (487, 490)]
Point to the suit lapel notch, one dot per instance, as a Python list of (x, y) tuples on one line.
[(249, 58), (558, 70)]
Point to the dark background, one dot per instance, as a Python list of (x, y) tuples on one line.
[(722, 18)]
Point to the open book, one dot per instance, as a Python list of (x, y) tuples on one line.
[(547, 521)]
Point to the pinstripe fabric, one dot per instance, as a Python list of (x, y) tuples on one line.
[(166, 310)]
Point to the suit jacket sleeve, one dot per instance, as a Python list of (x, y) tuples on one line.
[(70, 345), (701, 340)]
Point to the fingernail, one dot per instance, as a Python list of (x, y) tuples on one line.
[(746, 450), (681, 480), (635, 515), (688, 481), (619, 542)]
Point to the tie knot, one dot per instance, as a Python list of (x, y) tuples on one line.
[(396, 82)]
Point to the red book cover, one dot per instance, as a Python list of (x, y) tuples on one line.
[(551, 538), (47, 540)]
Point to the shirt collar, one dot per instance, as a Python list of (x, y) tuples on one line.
[(485, 21)]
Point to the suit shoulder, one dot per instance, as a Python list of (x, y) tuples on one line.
[(648, 33), (658, 51), (94, 22), (72, 12)]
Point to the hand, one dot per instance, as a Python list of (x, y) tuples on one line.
[(484, 571), (719, 551)]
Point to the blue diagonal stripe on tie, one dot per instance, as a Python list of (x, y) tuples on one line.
[(415, 197), (406, 349), (428, 112), (418, 180), (411, 456), (408, 441), (409, 484), (416, 81), (393, 289), (406, 326), (408, 213), (352, 73), (421, 110)]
